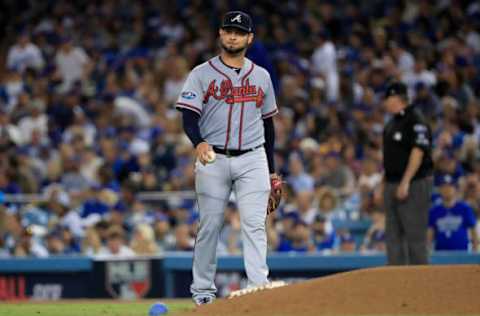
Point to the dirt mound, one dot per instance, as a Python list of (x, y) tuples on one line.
[(387, 290)]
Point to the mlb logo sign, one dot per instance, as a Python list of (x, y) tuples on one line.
[(127, 279)]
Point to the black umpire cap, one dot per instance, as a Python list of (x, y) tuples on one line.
[(396, 88), (239, 20)]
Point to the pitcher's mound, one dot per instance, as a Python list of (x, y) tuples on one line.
[(387, 290)]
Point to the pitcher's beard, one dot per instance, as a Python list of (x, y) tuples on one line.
[(233, 51)]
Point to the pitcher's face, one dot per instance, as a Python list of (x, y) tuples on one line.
[(234, 41)]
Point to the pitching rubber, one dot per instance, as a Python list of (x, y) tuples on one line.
[(255, 289)]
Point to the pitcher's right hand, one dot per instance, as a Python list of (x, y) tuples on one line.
[(201, 151)]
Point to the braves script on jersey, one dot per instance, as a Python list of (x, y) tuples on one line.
[(231, 105)]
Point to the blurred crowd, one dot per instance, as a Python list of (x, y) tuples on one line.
[(87, 117)]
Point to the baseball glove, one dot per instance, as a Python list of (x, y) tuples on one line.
[(276, 190)]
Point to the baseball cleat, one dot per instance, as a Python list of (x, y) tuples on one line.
[(203, 300)]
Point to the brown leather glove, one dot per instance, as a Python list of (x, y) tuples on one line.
[(276, 191)]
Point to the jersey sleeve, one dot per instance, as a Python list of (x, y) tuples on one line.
[(420, 135), (269, 107), (191, 97)]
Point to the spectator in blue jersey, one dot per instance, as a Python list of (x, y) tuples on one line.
[(452, 222), (324, 236), (60, 241), (347, 241), (297, 239)]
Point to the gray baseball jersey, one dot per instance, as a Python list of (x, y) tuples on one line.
[(231, 105)]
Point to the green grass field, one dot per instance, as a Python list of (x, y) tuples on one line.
[(91, 308), (176, 307)]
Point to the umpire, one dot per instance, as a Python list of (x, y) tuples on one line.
[(407, 162)]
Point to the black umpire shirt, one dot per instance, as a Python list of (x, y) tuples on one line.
[(406, 130)]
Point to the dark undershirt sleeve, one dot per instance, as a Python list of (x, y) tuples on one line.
[(269, 143), (190, 126)]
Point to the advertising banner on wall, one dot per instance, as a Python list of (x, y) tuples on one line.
[(43, 286), (128, 279), (134, 278)]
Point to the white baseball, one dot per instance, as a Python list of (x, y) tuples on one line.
[(211, 156)]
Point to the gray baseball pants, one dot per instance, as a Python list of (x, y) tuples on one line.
[(248, 176), (407, 223)]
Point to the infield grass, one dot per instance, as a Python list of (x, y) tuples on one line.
[(92, 308)]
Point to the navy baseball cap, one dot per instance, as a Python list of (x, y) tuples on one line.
[(446, 179), (239, 20), (396, 88)]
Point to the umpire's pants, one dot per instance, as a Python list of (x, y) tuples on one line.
[(407, 223)]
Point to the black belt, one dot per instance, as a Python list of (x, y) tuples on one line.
[(234, 152)]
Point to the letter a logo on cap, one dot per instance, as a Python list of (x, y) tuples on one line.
[(237, 18)]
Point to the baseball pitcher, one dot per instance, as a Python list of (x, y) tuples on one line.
[(227, 105)]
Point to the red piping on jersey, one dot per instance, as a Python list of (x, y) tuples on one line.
[(228, 126), (190, 107), (219, 71), (241, 126), (241, 111), (230, 110), (270, 113)]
